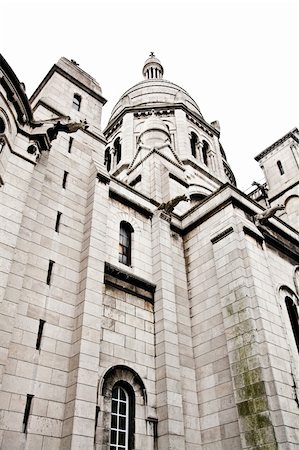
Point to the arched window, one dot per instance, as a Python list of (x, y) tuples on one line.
[(117, 146), (280, 167), (122, 418), (193, 143), (205, 148), (107, 159), (125, 243), (77, 102), (2, 125), (294, 319)]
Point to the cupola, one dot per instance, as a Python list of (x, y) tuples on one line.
[(152, 69)]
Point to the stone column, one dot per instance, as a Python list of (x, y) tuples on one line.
[(168, 381)]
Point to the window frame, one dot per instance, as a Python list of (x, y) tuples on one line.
[(118, 389), (292, 311), (77, 99), (280, 167), (125, 248)]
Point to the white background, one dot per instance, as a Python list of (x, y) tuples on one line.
[(237, 59)]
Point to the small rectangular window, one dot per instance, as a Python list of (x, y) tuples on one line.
[(77, 102), (27, 412), (57, 221), (50, 268), (280, 167), (40, 333), (70, 144), (64, 179)]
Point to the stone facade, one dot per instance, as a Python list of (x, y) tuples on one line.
[(135, 273)]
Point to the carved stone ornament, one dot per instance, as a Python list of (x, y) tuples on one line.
[(169, 206), (262, 218)]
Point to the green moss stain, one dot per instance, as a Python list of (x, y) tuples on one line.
[(252, 402)]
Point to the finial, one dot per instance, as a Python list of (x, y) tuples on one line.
[(152, 54)]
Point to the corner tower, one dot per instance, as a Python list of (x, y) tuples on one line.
[(159, 142)]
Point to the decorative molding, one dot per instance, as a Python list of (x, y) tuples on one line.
[(70, 78), (130, 283), (125, 201), (277, 143), (158, 112), (102, 178), (222, 235), (199, 125), (178, 180), (115, 127), (255, 234), (209, 129)]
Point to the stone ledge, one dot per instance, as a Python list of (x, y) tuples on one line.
[(120, 279)]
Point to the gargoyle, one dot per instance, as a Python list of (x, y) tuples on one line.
[(262, 218), (261, 187), (70, 127), (168, 207)]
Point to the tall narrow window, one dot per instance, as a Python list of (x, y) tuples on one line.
[(40, 333), (125, 243), (71, 140), (193, 143), (77, 102), (64, 179), (117, 146), (107, 160), (280, 167), (50, 268), (119, 434), (57, 221), (294, 319), (27, 412), (2, 125), (205, 148)]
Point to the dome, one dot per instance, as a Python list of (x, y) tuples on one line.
[(154, 91)]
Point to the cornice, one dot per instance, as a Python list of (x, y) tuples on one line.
[(121, 279), (277, 143), (69, 77), (196, 118), (130, 203)]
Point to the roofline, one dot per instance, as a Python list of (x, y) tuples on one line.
[(17, 85), (112, 116), (277, 143), (56, 68)]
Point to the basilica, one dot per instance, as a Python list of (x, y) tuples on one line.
[(146, 303)]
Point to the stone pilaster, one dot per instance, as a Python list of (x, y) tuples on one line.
[(79, 423), (168, 381), (244, 339)]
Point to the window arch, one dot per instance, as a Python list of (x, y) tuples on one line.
[(125, 243), (122, 425), (77, 102), (294, 318), (193, 143), (130, 383), (117, 146), (107, 159), (205, 148), (280, 167)]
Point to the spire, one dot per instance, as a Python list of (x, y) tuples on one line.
[(152, 69)]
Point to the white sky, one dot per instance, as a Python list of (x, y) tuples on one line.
[(237, 58)]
